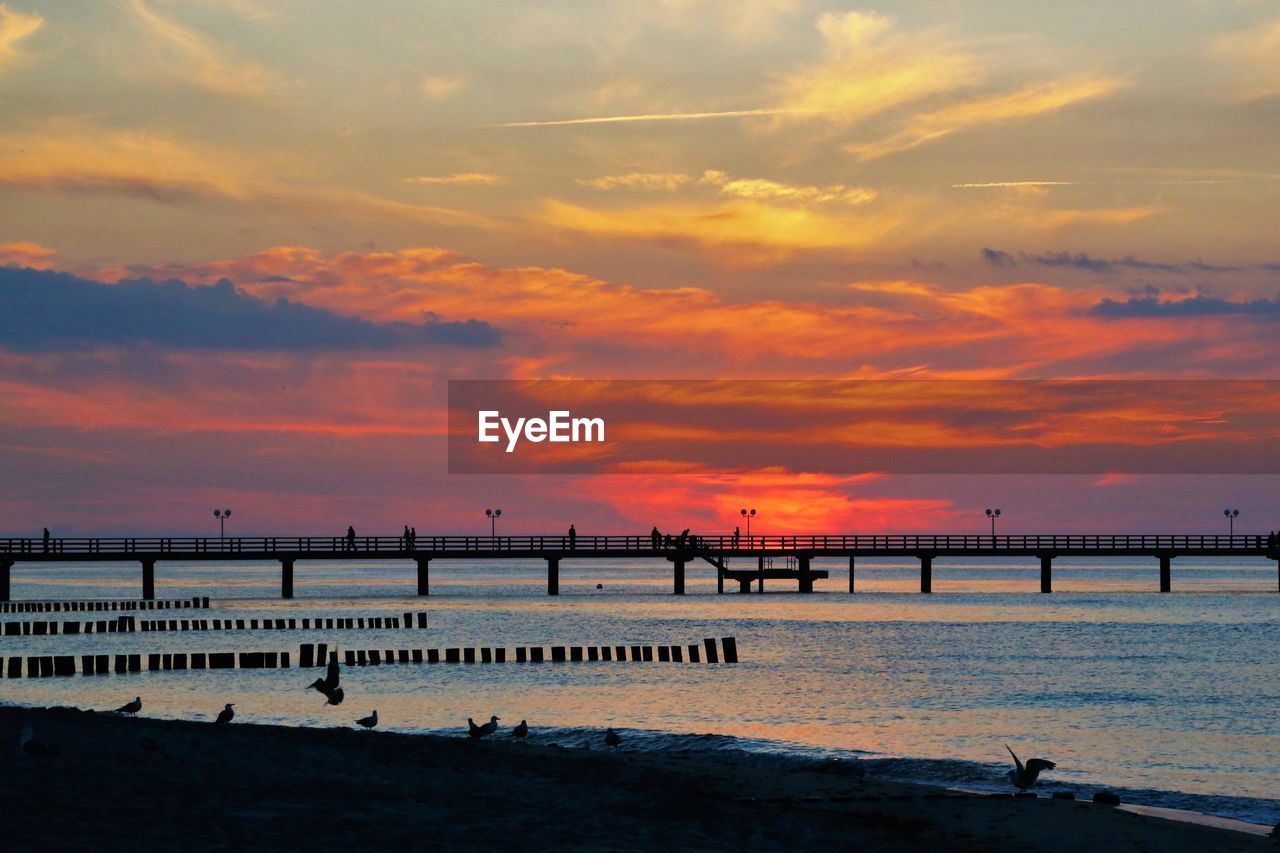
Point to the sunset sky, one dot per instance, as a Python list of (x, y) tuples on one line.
[(672, 189)]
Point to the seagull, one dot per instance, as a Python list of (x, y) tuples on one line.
[(328, 686), (521, 730), (478, 732), (1025, 776), (226, 715), (369, 721), (611, 738), (131, 707), (29, 746)]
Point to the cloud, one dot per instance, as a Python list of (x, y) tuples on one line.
[(1032, 100), (458, 178), (14, 28), (643, 117), (437, 88), (1194, 306), (1085, 261), (202, 60), (43, 311), (741, 231), (638, 181), (997, 258), (762, 188), (1013, 184), (26, 254), (1255, 55)]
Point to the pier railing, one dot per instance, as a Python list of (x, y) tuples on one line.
[(816, 544)]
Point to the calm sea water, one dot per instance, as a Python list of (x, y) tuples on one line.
[(1171, 699)]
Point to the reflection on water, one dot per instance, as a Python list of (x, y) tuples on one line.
[(1120, 685)]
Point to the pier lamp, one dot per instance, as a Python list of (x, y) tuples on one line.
[(1232, 515), (492, 515), (993, 514), (748, 514), (222, 515)]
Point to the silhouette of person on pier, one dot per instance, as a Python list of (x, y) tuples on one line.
[(351, 538), (46, 540), (736, 535), (573, 538), (404, 539), (655, 538), (413, 538)]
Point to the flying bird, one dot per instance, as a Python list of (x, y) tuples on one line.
[(369, 721), (521, 730), (131, 707), (328, 686), (478, 732), (226, 715), (611, 738), (1025, 776)]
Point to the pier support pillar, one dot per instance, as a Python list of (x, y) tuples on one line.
[(1046, 573), (553, 575), (5, 567), (1166, 580), (744, 585), (424, 575), (926, 573), (806, 578), (720, 576), (286, 577), (678, 564), (148, 580), (760, 573), (851, 574)]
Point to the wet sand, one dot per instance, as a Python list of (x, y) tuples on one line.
[(142, 784)]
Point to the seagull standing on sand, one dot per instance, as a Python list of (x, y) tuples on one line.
[(611, 738), (521, 730), (131, 707), (1025, 776), (226, 716), (369, 721), (478, 732)]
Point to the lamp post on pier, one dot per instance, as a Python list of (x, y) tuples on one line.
[(1232, 515), (492, 515), (222, 515), (748, 515), (993, 514)]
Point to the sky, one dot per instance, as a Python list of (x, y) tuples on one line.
[(244, 246)]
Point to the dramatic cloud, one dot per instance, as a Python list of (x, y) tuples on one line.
[(648, 181), (14, 28), (1255, 55), (458, 178), (1193, 306), (762, 188), (42, 310), (201, 60), (1089, 263), (26, 254), (1036, 99)]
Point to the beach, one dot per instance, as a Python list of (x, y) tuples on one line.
[(144, 784)]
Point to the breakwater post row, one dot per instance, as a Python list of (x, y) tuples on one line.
[(319, 654), (95, 606), (130, 624)]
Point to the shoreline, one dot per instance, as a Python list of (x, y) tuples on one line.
[(149, 784)]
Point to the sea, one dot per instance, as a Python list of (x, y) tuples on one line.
[(1171, 700)]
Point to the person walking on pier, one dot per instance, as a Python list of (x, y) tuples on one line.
[(404, 540), (413, 538), (655, 538), (46, 540), (351, 538), (737, 533), (573, 538)]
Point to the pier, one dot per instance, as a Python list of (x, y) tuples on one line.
[(760, 553)]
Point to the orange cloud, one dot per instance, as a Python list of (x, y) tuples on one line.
[(31, 255), (15, 27)]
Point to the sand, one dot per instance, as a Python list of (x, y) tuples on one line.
[(142, 784)]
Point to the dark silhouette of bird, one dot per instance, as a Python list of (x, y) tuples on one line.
[(611, 738), (226, 716), (1025, 776), (328, 686), (131, 707), (32, 748), (478, 732), (369, 721), (521, 730)]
